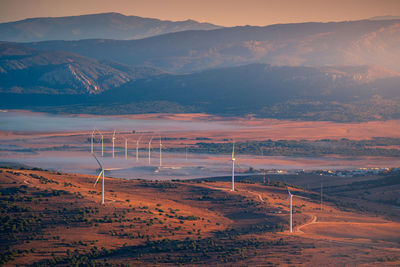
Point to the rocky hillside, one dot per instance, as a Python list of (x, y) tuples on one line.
[(26, 70)]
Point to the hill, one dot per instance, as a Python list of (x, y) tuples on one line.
[(106, 25), (310, 93), (357, 93), (24, 70), (82, 85), (365, 42), (55, 218)]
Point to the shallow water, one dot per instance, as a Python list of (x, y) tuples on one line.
[(78, 159), (40, 122), (175, 165)]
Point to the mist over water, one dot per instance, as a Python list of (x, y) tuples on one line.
[(175, 165), (77, 157), (40, 122)]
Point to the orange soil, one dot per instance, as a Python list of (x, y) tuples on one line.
[(339, 237)]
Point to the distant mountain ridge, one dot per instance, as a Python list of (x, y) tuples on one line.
[(351, 43), (356, 93), (93, 26), (387, 17), (25, 70), (341, 71)]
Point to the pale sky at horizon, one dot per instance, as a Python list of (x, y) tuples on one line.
[(220, 12)]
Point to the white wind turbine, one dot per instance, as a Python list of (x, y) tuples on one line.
[(101, 174), (91, 143), (102, 146), (233, 167), (291, 209), (113, 140), (137, 148), (95, 130), (150, 150), (102, 181), (126, 148), (160, 152)]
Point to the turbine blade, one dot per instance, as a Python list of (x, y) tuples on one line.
[(98, 161), (113, 169), (233, 150), (98, 177), (301, 197)]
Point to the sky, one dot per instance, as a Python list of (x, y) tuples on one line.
[(220, 12)]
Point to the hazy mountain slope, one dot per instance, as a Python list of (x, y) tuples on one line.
[(388, 17), (357, 93), (364, 42), (25, 70), (259, 84), (312, 93), (107, 26)]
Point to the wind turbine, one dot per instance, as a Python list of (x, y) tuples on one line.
[(291, 208), (102, 146), (91, 143), (233, 167), (150, 150), (101, 174), (102, 150), (113, 139), (126, 148), (137, 148), (160, 152), (186, 150), (102, 181)]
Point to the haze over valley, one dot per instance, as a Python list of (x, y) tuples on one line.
[(186, 133)]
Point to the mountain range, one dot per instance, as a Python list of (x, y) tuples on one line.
[(342, 71), (25, 70), (313, 44), (105, 26)]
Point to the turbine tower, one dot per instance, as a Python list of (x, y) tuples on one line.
[(150, 150), (160, 152), (102, 150), (126, 148), (233, 167), (102, 146), (113, 139), (137, 148), (291, 209), (91, 143)]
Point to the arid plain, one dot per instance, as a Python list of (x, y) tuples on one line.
[(55, 217)]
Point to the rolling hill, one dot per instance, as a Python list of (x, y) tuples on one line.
[(106, 25), (365, 42)]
